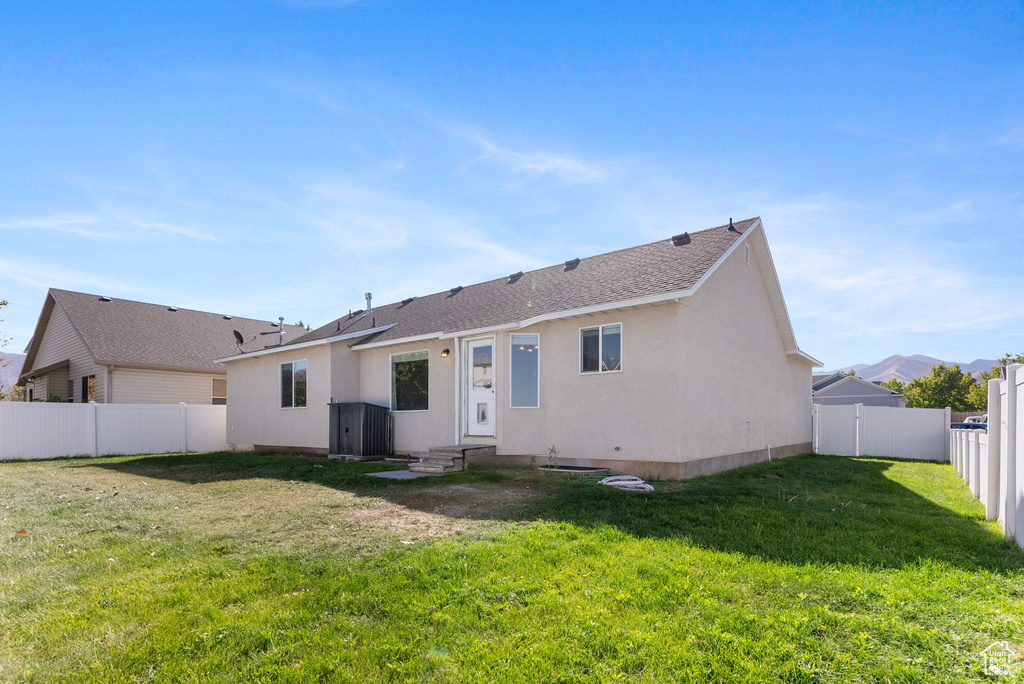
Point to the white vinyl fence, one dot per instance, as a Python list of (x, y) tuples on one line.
[(991, 461), (882, 431), (33, 430)]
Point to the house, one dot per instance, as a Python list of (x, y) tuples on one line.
[(628, 360), (840, 388), (89, 347)]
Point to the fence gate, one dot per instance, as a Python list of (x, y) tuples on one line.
[(882, 431)]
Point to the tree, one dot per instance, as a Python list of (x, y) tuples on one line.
[(896, 386), (978, 397), (305, 326), (943, 386), (851, 372)]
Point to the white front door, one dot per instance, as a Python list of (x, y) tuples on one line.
[(480, 388)]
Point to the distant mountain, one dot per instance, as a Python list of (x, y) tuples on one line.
[(907, 368), (9, 374)]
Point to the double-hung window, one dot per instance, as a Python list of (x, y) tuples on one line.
[(601, 349), (525, 368), (293, 384), (220, 391), (409, 386)]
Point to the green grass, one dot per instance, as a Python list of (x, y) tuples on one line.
[(266, 568)]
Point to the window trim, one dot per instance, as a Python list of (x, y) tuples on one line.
[(391, 382), (279, 385), (510, 349), (600, 348)]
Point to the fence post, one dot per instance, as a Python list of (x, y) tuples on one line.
[(856, 422), (949, 433), (992, 501), (975, 462), (815, 427), (95, 429), (183, 413), (1009, 450)]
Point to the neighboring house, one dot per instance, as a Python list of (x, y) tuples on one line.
[(620, 360), (88, 347), (843, 389)]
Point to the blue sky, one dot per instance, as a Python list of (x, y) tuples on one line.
[(266, 159)]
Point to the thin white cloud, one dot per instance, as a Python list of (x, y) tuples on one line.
[(1013, 139), (529, 166), (172, 229), (34, 273), (62, 223)]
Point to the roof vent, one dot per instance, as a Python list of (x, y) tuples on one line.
[(732, 227), (172, 308), (681, 239), (227, 318), (273, 325), (104, 299), (407, 300), (514, 277), (569, 265), (455, 290)]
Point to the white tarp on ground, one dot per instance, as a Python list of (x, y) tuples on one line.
[(34, 430)]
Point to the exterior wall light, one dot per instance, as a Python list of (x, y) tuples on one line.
[(445, 353)]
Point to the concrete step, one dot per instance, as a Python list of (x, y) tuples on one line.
[(442, 459), (463, 450), (435, 468)]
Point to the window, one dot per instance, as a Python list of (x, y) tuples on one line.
[(220, 391), (31, 394), (293, 385), (525, 371), (601, 349), (409, 381), (88, 388), (71, 390)]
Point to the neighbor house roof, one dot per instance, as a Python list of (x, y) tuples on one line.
[(672, 267), (821, 388), (123, 332)]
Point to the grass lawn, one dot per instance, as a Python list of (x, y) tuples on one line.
[(267, 568)]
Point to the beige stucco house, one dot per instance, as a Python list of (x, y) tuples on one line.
[(628, 360), (90, 347)]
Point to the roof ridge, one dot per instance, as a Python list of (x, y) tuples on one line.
[(542, 268), (168, 306)]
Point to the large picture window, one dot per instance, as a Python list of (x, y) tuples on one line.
[(409, 381), (601, 349), (525, 370), (293, 384)]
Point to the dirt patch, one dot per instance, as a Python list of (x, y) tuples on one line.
[(471, 501)]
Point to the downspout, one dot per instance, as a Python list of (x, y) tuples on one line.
[(108, 386), (458, 390)]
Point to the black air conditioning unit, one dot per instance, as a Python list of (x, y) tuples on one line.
[(360, 431)]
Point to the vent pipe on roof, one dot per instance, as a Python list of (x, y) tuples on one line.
[(369, 309), (731, 227), (281, 330)]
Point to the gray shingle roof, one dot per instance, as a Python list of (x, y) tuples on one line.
[(130, 333), (652, 269)]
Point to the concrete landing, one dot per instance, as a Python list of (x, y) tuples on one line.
[(399, 475)]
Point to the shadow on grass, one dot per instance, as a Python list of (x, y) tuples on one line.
[(805, 509)]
